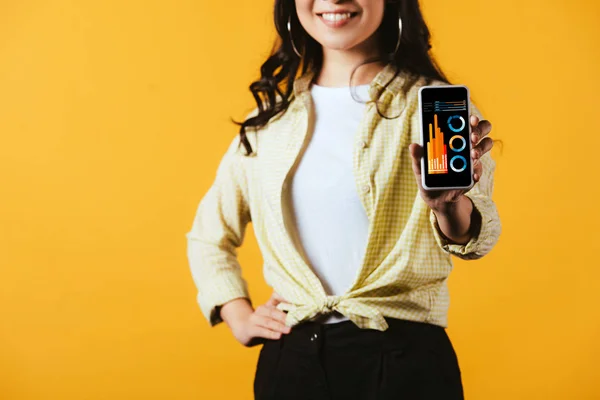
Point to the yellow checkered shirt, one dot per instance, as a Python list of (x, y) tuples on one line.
[(407, 259)]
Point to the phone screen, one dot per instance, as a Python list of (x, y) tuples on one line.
[(446, 141)]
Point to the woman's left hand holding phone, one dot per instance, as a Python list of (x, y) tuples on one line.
[(252, 326)]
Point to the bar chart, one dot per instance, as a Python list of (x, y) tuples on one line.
[(437, 156)]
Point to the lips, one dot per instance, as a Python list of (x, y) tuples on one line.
[(337, 22), (352, 13)]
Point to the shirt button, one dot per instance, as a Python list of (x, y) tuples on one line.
[(366, 188), (363, 144)]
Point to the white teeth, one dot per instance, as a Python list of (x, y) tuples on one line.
[(336, 16)]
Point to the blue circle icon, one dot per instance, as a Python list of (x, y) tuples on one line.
[(462, 120), (452, 164)]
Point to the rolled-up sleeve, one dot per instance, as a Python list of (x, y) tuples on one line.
[(217, 231), (482, 242)]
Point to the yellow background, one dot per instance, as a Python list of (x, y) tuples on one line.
[(113, 117)]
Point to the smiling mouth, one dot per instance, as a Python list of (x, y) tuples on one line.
[(338, 19), (351, 14)]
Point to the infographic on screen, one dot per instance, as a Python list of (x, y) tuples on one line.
[(445, 116)]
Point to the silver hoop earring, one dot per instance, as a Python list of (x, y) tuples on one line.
[(289, 28), (399, 34)]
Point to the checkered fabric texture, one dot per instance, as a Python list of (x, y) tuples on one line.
[(407, 259)]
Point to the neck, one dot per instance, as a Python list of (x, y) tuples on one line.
[(339, 64)]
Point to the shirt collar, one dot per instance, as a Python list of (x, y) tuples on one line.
[(302, 84)]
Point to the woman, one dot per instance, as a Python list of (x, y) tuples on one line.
[(327, 167)]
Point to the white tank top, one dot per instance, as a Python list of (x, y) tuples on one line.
[(331, 223)]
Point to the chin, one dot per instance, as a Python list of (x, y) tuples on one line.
[(338, 44)]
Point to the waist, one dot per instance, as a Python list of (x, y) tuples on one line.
[(311, 336), (421, 304)]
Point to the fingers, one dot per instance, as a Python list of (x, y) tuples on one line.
[(481, 143), (268, 318), (267, 321), (271, 324), (482, 147), (474, 121), (477, 170), (476, 153), (261, 331), (479, 129), (271, 312)]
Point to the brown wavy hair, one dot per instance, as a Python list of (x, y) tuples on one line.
[(279, 71)]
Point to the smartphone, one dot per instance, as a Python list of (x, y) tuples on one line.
[(446, 137)]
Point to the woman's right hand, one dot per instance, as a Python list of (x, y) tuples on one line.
[(254, 326)]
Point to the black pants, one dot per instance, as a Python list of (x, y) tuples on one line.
[(340, 361)]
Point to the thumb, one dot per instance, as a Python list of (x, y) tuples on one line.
[(416, 152)]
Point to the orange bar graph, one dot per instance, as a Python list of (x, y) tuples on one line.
[(437, 157)]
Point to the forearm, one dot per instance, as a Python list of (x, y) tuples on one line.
[(235, 310), (458, 221)]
